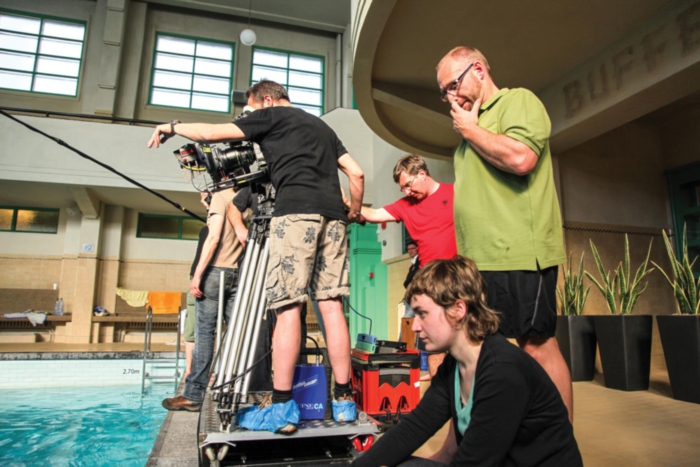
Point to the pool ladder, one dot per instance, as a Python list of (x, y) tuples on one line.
[(148, 355)]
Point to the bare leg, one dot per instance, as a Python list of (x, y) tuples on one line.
[(286, 343), (189, 348), (546, 352), (338, 341)]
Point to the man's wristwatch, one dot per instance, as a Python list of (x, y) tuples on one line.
[(172, 126)]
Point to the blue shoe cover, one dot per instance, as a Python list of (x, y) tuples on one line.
[(344, 411), (270, 418)]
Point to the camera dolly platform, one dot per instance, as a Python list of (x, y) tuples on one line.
[(315, 443)]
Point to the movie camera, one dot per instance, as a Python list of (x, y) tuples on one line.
[(238, 165)]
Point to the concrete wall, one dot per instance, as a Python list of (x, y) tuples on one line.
[(114, 81)]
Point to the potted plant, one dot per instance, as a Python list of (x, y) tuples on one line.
[(575, 333), (680, 333), (624, 339)]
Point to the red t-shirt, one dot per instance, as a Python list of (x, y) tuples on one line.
[(430, 222)]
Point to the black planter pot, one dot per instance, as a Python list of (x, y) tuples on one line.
[(680, 337), (576, 338), (625, 350)]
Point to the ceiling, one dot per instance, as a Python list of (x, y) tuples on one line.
[(325, 15), (528, 44)]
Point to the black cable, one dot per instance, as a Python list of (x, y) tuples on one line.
[(103, 165), (363, 316)]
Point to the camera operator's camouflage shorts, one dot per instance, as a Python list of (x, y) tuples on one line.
[(306, 251)]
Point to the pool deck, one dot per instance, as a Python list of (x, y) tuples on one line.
[(176, 444), (613, 428), (51, 351)]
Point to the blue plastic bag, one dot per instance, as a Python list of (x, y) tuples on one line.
[(270, 418), (344, 411)]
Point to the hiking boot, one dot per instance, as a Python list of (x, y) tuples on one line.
[(181, 403), (344, 409)]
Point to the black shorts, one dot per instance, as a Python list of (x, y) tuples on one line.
[(526, 301)]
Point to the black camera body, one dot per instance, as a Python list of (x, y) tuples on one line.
[(237, 166)]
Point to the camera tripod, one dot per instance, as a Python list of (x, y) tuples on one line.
[(236, 352)]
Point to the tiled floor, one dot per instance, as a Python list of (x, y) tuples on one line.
[(620, 429)]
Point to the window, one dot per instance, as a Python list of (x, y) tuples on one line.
[(40, 54), (168, 227), (301, 74), (192, 73), (32, 220), (684, 185)]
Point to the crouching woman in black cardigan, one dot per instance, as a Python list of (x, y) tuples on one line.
[(504, 408)]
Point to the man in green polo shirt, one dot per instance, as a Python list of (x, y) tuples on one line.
[(507, 215)]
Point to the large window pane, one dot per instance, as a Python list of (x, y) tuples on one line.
[(55, 85), (42, 42), (37, 221), (169, 79), (209, 102), (22, 62), (302, 76), (306, 63), (18, 42), (6, 219), (175, 45), (20, 24), (212, 67), (61, 48), (174, 62), (209, 84), (19, 81), (64, 30), (209, 50), (159, 227), (58, 66), (201, 66), (170, 98), (265, 57)]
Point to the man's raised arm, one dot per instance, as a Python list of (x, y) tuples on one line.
[(202, 132)]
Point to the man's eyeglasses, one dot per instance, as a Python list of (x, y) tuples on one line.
[(407, 187), (452, 88)]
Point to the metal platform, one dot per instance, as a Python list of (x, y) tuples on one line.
[(316, 442)]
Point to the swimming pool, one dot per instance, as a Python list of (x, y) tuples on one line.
[(80, 426)]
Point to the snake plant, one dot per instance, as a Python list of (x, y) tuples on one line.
[(686, 290), (573, 296), (621, 292)]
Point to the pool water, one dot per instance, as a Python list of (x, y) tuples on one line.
[(80, 426)]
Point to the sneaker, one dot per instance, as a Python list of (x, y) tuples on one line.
[(344, 409)]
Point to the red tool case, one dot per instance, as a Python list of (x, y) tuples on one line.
[(386, 384)]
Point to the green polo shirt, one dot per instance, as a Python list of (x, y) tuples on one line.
[(503, 221)]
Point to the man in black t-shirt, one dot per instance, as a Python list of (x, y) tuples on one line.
[(308, 245)]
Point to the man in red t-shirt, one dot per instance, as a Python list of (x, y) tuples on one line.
[(427, 212)]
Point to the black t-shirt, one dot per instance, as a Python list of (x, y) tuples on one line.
[(245, 199), (203, 234), (302, 154)]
